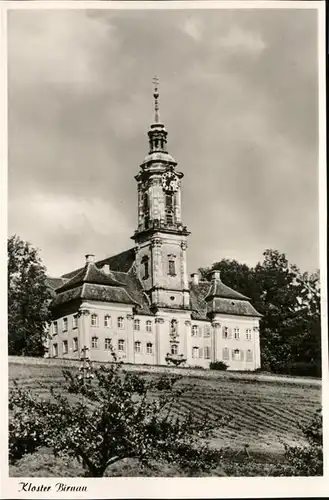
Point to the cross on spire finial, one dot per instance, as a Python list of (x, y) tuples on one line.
[(156, 98)]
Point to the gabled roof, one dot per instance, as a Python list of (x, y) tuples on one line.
[(89, 274), (120, 262)]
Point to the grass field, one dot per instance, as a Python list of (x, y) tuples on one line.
[(264, 414)]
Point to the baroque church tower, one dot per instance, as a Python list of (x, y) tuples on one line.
[(161, 237)]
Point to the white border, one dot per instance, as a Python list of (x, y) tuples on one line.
[(262, 487)]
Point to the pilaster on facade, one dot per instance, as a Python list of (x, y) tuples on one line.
[(130, 338), (215, 340), (187, 339), (158, 334), (83, 331)]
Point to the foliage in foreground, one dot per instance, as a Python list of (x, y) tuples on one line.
[(218, 365), (28, 299), (308, 460), (111, 417)]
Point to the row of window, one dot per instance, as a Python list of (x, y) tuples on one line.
[(197, 352), (227, 333), (107, 345), (94, 321), (65, 346), (197, 331), (171, 269)]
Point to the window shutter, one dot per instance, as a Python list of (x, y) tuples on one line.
[(233, 355), (241, 355), (230, 333), (200, 352)]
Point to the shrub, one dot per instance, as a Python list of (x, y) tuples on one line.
[(218, 365), (308, 460), (111, 417)]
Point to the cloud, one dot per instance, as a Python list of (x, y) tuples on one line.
[(242, 40), (238, 96), (194, 28), (69, 227)]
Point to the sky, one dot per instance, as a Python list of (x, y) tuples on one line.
[(238, 96)]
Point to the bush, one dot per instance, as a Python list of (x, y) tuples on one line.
[(308, 460), (218, 365)]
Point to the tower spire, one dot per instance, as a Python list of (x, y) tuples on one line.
[(156, 99)]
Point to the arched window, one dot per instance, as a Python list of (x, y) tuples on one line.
[(206, 352), (249, 355), (226, 353), (64, 324), (121, 323), (169, 209), (75, 321), (195, 352), (55, 327), (145, 262), (94, 320), (194, 330), (149, 348), (137, 325), (107, 344), (171, 267), (225, 332), (148, 326), (174, 348), (107, 321), (236, 354), (121, 345)]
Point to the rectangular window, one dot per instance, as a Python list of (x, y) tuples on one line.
[(249, 355), (248, 334), (75, 321), (121, 323), (237, 333), (137, 325), (65, 323), (148, 326), (55, 350), (225, 332), (75, 344), (121, 345), (206, 332), (94, 342), (206, 352), (107, 321), (195, 352), (65, 347), (94, 320), (55, 328), (226, 353), (171, 267), (137, 347), (149, 348), (107, 344)]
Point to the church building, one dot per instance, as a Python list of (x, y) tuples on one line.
[(141, 301)]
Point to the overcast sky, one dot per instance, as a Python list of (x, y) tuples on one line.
[(238, 97)]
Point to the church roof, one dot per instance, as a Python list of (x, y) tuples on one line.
[(92, 283), (89, 274), (221, 299), (120, 262)]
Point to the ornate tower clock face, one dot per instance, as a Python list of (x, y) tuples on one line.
[(170, 181)]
